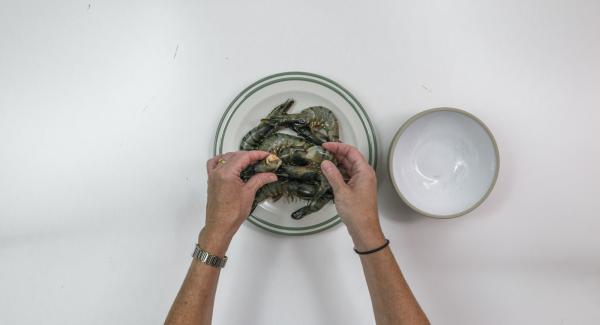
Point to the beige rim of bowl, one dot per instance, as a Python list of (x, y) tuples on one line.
[(401, 131)]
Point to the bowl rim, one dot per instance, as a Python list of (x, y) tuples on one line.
[(405, 126)]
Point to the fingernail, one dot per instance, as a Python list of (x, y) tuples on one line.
[(326, 165), (273, 178)]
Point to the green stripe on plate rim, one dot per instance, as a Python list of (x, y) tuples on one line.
[(255, 221), (290, 76)]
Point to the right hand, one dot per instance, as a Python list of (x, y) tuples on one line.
[(355, 201)]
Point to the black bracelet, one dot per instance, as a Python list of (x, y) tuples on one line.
[(387, 242)]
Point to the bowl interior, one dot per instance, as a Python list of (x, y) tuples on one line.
[(444, 162)]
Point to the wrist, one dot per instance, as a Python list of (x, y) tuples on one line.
[(214, 242), (368, 243), (367, 238)]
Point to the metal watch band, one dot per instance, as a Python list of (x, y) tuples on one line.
[(207, 258)]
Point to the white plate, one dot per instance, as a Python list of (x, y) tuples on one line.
[(307, 89), (444, 162)]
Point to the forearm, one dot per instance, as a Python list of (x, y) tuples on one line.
[(228, 204), (356, 203), (195, 300), (393, 301)]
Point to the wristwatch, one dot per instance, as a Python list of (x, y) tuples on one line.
[(207, 258)]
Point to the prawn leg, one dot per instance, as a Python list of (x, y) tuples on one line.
[(312, 207)]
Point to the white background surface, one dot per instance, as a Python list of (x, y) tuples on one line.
[(108, 111)]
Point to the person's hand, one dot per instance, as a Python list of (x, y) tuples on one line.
[(229, 199), (355, 201)]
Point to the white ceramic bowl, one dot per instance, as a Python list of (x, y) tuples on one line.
[(444, 162)]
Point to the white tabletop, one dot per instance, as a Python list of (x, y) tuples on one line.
[(108, 111)]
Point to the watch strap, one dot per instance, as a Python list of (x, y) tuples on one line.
[(207, 258)]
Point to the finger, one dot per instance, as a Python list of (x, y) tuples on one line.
[(257, 181), (241, 159), (333, 175), (223, 159), (344, 151), (228, 155), (345, 164), (348, 156), (212, 163)]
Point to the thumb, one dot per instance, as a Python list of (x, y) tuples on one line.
[(260, 179), (333, 175)]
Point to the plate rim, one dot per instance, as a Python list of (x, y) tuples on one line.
[(307, 77), (409, 122)]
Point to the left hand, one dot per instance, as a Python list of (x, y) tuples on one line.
[(229, 199)]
